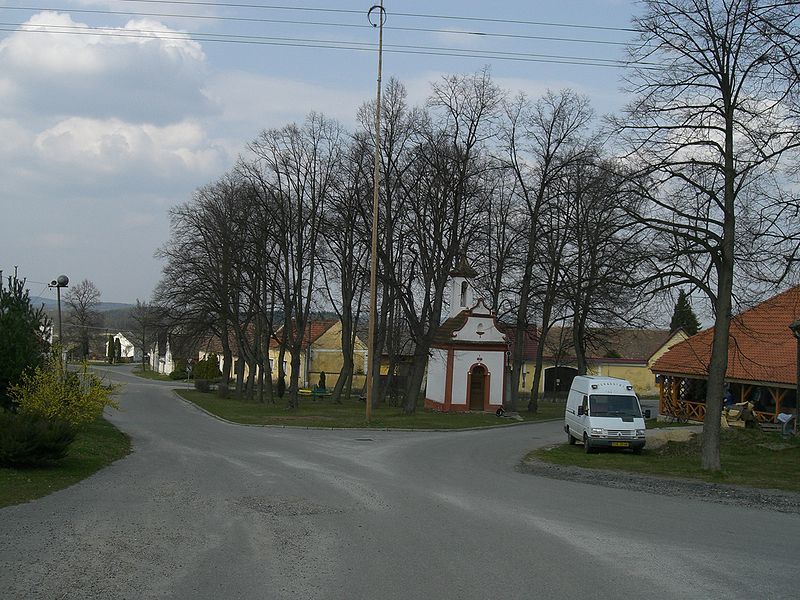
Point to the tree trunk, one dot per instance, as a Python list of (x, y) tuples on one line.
[(415, 378), (710, 459), (294, 380)]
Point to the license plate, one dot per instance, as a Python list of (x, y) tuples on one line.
[(620, 444)]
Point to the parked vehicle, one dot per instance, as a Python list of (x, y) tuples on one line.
[(604, 412)]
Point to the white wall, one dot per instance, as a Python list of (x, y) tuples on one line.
[(464, 359), (437, 374)]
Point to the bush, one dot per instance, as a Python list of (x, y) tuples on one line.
[(202, 385), (208, 368), (29, 440), (178, 374), (77, 398), (22, 345)]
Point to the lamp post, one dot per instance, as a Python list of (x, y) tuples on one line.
[(795, 327), (61, 282)]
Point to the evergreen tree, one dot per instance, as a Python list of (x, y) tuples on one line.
[(23, 332), (110, 349), (117, 350), (684, 316)]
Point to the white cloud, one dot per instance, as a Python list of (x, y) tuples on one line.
[(258, 102), (113, 146), (155, 76)]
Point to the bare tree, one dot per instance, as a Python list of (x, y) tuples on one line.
[(294, 167), (146, 318), (712, 120), (201, 283), (445, 188), (539, 140), (82, 300), (346, 242), (400, 134), (600, 283)]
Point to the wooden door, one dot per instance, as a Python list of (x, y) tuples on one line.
[(477, 387)]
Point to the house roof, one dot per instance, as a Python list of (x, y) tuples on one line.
[(444, 335), (761, 348), (605, 345), (314, 330)]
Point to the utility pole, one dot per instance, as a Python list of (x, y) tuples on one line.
[(373, 271)]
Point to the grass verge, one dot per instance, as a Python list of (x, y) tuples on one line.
[(350, 413), (749, 457), (154, 375), (98, 445)]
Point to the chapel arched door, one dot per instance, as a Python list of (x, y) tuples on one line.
[(477, 387)]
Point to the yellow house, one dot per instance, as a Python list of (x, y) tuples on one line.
[(624, 353), (321, 351)]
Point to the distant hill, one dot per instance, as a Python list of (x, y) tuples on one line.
[(50, 303)]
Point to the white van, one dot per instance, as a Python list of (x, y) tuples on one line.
[(604, 412)]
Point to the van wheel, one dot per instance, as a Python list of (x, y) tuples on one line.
[(570, 438), (586, 447)]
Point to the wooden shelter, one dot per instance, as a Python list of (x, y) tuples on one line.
[(761, 363)]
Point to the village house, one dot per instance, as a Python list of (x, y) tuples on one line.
[(623, 353), (128, 351), (321, 351), (761, 363)]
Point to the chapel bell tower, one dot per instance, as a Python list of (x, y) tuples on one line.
[(461, 291)]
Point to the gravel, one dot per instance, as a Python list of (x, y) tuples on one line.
[(774, 500)]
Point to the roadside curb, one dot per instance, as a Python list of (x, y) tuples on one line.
[(734, 495), (269, 426)]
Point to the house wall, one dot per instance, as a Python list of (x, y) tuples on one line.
[(437, 375), (126, 347), (463, 360), (639, 374), (326, 355)]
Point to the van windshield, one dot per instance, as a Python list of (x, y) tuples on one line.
[(602, 405)]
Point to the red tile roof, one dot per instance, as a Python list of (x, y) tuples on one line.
[(762, 348), (314, 331), (606, 345)]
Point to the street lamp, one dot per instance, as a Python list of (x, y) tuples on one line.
[(795, 327), (61, 282)]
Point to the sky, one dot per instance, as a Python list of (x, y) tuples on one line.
[(114, 111)]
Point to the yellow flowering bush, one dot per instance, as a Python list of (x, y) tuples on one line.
[(76, 397)]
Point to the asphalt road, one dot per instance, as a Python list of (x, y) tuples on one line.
[(206, 509)]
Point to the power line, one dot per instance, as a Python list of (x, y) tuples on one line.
[(157, 34), (315, 24), (336, 45), (394, 14)]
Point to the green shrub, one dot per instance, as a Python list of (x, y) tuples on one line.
[(208, 368), (77, 397), (202, 385), (22, 345), (178, 374), (30, 440)]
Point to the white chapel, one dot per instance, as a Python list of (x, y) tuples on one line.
[(468, 354)]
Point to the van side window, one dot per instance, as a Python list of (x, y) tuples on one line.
[(586, 405)]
